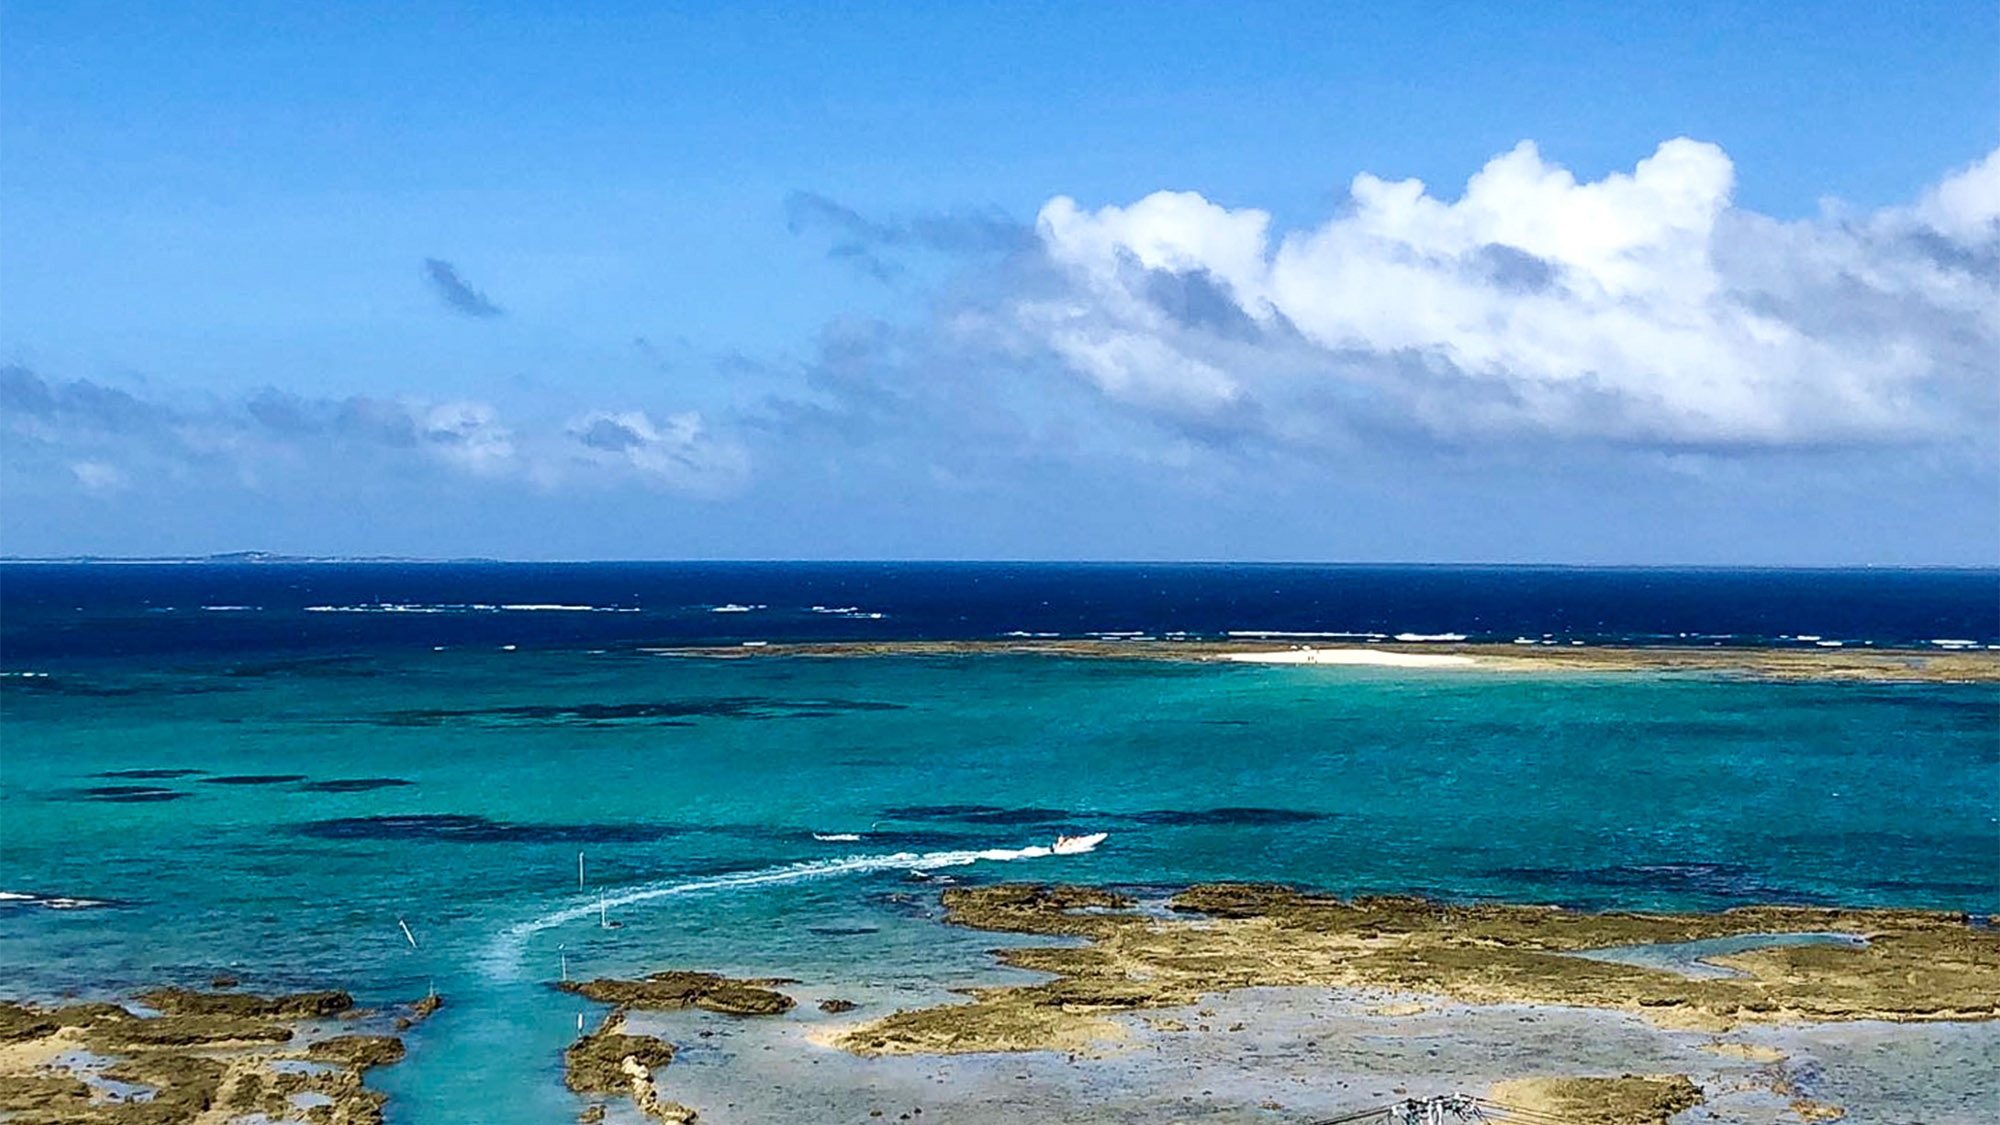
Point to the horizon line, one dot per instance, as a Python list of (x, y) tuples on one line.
[(269, 558)]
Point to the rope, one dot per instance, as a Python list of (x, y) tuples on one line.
[(1447, 1109)]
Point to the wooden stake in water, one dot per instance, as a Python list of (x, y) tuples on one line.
[(406, 932)]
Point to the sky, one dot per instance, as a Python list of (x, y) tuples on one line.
[(1703, 283)]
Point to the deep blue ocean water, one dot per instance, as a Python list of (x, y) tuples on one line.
[(225, 611), (263, 768)]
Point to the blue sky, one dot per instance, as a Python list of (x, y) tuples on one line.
[(1003, 280)]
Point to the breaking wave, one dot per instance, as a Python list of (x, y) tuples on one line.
[(505, 958)]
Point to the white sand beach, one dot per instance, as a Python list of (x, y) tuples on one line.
[(1362, 656)]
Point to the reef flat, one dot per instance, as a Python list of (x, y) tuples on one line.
[(196, 1058), (614, 1060), (1914, 965), (1859, 664)]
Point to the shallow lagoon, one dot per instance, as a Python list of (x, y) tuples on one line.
[(454, 791)]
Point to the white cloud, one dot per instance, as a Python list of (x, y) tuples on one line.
[(82, 436), (467, 435), (1640, 308), (1966, 206), (97, 477), (678, 452)]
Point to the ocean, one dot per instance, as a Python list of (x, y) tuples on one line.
[(270, 769)]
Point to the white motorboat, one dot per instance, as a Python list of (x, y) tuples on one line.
[(1076, 845)]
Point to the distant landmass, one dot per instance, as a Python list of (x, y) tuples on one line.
[(245, 557)]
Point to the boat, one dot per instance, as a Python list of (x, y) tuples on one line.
[(1076, 845)]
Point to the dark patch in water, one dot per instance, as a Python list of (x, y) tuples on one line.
[(936, 812), (131, 793), (254, 779), (842, 931), (60, 685), (999, 815), (1716, 880), (891, 839), (467, 829), (979, 814), (146, 774), (906, 904), (354, 784), (728, 707), (1232, 815), (324, 668)]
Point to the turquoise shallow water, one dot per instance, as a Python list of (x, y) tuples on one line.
[(454, 790)]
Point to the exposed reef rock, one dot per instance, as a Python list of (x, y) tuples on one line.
[(358, 1051), (1916, 965), (1627, 1100), (611, 1060), (300, 1006), (595, 1063), (205, 1058), (670, 991)]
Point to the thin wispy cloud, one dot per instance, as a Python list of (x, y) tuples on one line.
[(457, 294), (873, 245), (103, 438)]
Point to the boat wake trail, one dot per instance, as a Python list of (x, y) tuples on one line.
[(508, 948)]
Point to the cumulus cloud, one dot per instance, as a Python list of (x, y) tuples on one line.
[(457, 294), (1642, 308)]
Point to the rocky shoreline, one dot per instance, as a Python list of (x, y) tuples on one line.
[(1138, 976), (1914, 965), (199, 1058), (1259, 1002)]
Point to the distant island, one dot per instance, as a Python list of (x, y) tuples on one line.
[(247, 558)]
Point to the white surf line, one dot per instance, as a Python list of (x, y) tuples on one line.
[(509, 946)]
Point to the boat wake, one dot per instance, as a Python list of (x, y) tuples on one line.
[(511, 944)]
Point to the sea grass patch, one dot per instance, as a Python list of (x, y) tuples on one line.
[(467, 828)]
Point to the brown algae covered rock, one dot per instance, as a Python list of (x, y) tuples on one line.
[(1037, 908), (244, 1005), (43, 1097), (198, 1059), (1913, 965), (357, 1051), (594, 1064), (1626, 1100), (670, 991)]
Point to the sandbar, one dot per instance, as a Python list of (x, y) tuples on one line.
[(1854, 663)]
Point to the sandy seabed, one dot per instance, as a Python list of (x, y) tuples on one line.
[(1272, 1055)]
